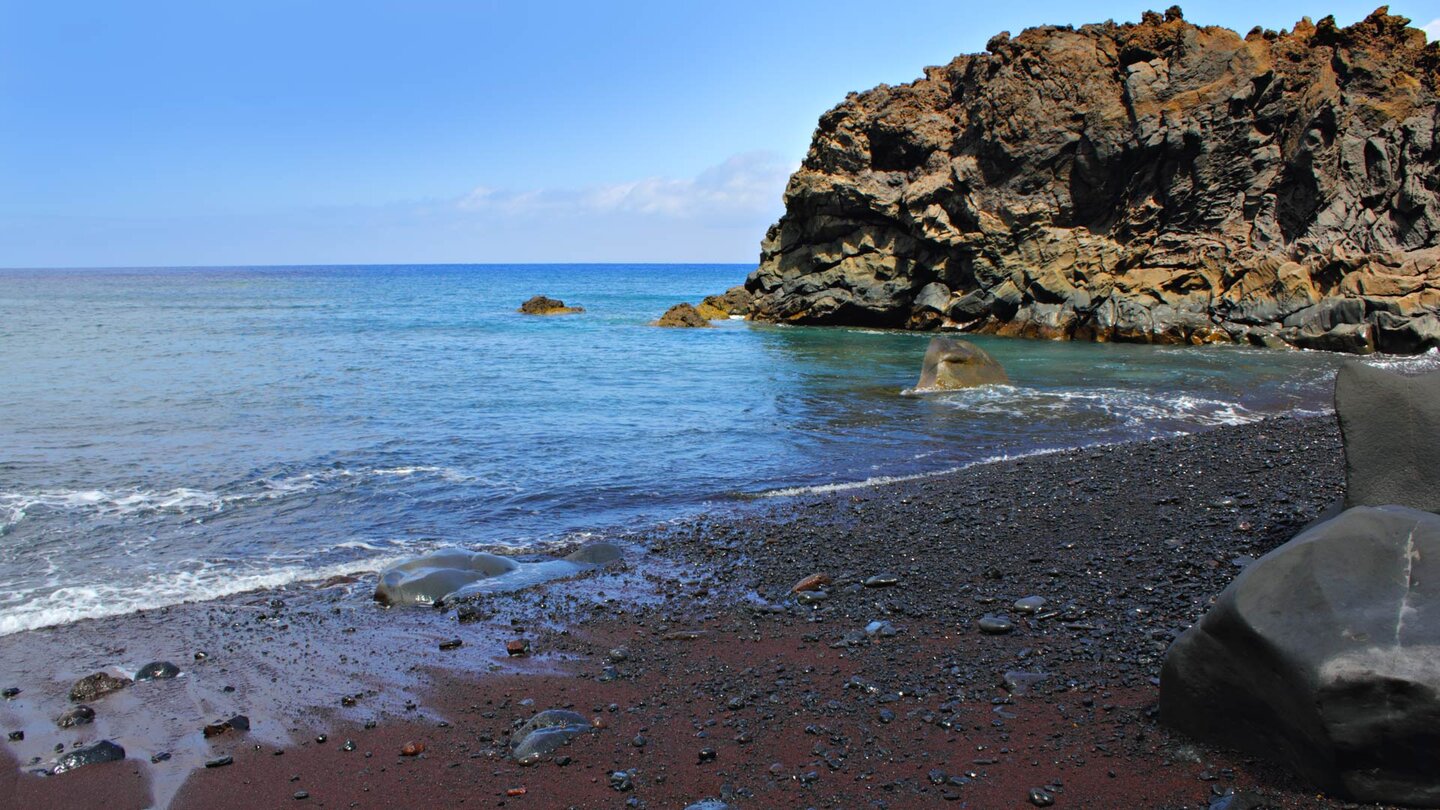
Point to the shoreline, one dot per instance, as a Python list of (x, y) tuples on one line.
[(800, 705)]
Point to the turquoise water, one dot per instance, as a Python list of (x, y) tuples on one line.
[(168, 435)]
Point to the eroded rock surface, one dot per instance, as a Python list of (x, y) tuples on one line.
[(1155, 182), (1325, 655), (1391, 425)]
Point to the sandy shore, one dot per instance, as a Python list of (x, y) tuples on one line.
[(703, 676)]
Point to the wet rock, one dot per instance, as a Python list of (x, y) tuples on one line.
[(92, 687), (517, 647), (470, 614), (1029, 605), (682, 315), (16, 736), (157, 671), (995, 625), (734, 302), (600, 553), (541, 305), (76, 716), (452, 644), (1321, 655), (1040, 797), (237, 723), (412, 749), (811, 597), (622, 781), (708, 804), (811, 583), (159, 757), (1391, 428), (103, 751), (707, 755), (951, 364), (885, 580), (10, 693), (220, 762), (545, 732), (881, 628), (429, 579)]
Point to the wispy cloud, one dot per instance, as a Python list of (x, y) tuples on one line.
[(1432, 29), (744, 186)]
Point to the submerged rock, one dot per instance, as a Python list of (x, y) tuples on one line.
[(103, 751), (1325, 655), (682, 315), (1157, 182), (540, 305), (1391, 425), (157, 671), (545, 732), (96, 686)]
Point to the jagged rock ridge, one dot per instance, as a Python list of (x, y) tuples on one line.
[(1153, 182)]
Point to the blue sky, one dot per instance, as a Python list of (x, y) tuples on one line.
[(295, 132)]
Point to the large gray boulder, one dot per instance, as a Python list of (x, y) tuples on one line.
[(443, 577), (1391, 425), (951, 363), (1325, 655)]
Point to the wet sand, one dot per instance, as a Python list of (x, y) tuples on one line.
[(703, 676)]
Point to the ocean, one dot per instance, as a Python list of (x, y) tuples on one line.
[(171, 435)]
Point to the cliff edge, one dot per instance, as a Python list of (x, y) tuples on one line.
[(1154, 182)]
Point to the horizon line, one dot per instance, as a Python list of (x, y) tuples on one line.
[(378, 264)]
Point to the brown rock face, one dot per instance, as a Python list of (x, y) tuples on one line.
[(1158, 182)]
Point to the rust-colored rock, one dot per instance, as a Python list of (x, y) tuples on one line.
[(540, 305), (517, 646), (812, 583), (1158, 182), (682, 315), (412, 749)]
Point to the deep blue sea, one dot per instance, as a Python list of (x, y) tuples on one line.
[(178, 434)]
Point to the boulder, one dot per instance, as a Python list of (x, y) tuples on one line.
[(429, 579), (540, 305), (1325, 655), (1391, 428), (951, 363), (734, 302), (682, 315)]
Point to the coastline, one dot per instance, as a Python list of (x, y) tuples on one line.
[(800, 705)]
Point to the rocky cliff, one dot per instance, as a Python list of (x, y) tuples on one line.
[(1154, 182)]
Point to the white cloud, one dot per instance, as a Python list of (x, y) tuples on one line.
[(746, 185), (1432, 30)]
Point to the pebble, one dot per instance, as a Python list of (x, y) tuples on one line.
[(622, 781), (300, 795), (811, 597), (995, 625), (412, 749), (1041, 797), (881, 628), (814, 582), (885, 580), (10, 692), (517, 646), (452, 644), (707, 755), (76, 716), (220, 762), (1030, 604), (17, 736), (157, 671)]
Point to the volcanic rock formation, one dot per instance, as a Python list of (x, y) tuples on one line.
[(1155, 182)]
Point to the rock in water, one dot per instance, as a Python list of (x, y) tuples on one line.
[(1391, 425), (96, 686), (103, 751), (951, 363), (429, 579), (1157, 182), (544, 733), (1325, 654), (540, 305), (157, 671), (735, 302), (682, 315)]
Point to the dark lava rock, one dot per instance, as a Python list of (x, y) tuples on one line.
[(76, 716), (452, 644), (220, 762), (1030, 604), (995, 625), (103, 751), (470, 614), (1321, 654), (1391, 425), (541, 305), (951, 363), (707, 755), (622, 781), (1041, 797), (95, 686), (10, 692), (157, 671), (545, 732), (17, 736), (237, 723), (734, 301), (683, 315)]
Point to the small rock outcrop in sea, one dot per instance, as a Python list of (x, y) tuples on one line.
[(1391, 426), (951, 363), (1323, 654), (545, 732), (682, 315), (98, 685), (446, 576), (540, 305), (734, 302), (1158, 182)]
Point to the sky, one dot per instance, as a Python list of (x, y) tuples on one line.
[(273, 132)]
